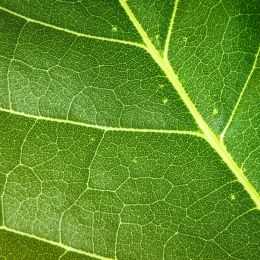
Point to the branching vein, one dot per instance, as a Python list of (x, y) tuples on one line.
[(210, 137), (166, 67)]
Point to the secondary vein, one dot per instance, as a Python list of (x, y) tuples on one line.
[(166, 49), (240, 96), (104, 128), (67, 248), (28, 19)]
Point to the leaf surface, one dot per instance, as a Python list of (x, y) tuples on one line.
[(129, 129)]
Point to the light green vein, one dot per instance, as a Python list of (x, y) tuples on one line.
[(210, 137), (83, 192), (167, 43), (105, 128), (139, 45), (63, 254), (67, 248), (8, 70), (240, 96)]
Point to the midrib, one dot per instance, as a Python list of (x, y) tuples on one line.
[(210, 136)]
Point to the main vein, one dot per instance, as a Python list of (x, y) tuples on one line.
[(210, 136)]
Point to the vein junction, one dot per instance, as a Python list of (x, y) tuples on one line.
[(210, 136), (207, 133), (166, 67)]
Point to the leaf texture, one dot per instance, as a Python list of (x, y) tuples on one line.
[(129, 129)]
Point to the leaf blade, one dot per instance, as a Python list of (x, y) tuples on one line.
[(148, 191)]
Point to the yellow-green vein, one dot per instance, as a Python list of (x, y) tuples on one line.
[(210, 137)]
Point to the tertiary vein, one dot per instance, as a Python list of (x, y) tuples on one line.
[(210, 136), (11, 61)]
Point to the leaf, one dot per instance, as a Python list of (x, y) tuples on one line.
[(129, 129)]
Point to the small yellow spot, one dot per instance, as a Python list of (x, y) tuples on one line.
[(244, 169), (214, 112), (114, 28), (181, 80), (161, 86), (232, 197), (92, 139), (157, 36), (165, 100), (134, 161), (184, 39)]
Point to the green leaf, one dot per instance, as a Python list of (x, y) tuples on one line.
[(129, 129)]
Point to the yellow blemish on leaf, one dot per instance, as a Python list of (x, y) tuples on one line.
[(184, 39), (161, 86), (114, 28), (244, 169), (165, 100), (214, 112), (134, 161), (232, 197)]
